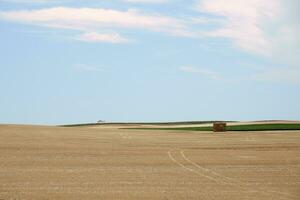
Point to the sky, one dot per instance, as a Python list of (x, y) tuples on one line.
[(78, 61)]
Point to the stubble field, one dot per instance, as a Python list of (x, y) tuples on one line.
[(39, 162)]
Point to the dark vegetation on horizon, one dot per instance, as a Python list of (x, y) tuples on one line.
[(248, 127), (144, 123)]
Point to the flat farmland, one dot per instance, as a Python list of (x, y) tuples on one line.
[(40, 162)]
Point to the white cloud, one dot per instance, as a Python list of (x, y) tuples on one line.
[(31, 1), (84, 18), (58, 1), (102, 37), (201, 71), (244, 21), (146, 1), (97, 20), (270, 28), (265, 27)]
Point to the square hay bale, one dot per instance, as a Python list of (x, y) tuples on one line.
[(219, 127)]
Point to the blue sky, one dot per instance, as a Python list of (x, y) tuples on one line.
[(67, 61)]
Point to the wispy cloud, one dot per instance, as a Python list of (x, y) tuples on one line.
[(33, 1), (243, 21), (146, 1), (58, 1), (92, 18), (201, 71), (269, 27), (97, 20), (102, 37)]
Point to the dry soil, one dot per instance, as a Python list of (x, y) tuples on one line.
[(39, 162)]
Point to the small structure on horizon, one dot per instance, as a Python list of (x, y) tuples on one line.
[(100, 121), (219, 127)]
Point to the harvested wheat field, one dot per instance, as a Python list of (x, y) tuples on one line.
[(39, 162)]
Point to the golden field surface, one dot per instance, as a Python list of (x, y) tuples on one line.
[(40, 162)]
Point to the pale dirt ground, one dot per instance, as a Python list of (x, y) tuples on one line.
[(85, 163)]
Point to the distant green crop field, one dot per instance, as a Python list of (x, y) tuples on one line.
[(250, 127), (264, 127)]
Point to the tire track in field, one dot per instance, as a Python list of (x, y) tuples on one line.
[(190, 169), (207, 170), (219, 178)]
